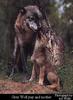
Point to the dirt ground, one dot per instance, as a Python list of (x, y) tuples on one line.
[(10, 87)]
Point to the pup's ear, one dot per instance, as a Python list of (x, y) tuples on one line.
[(23, 11)]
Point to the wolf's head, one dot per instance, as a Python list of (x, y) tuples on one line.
[(33, 17)]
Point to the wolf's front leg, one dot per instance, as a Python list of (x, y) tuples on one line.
[(14, 58), (42, 75)]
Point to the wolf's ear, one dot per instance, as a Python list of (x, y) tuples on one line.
[(23, 11)]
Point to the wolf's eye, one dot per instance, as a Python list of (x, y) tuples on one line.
[(31, 18)]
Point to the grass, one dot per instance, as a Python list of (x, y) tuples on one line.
[(66, 74)]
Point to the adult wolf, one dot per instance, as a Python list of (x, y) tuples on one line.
[(26, 26)]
